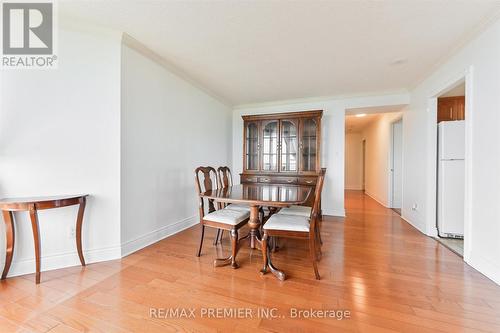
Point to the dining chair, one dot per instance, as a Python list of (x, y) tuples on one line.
[(223, 218), (225, 179), (296, 226), (304, 211)]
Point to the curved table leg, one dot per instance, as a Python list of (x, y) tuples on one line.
[(234, 251), (244, 237), (79, 222), (266, 253), (10, 238), (278, 273), (36, 239)]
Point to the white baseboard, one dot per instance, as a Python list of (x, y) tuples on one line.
[(419, 226), (334, 212), (376, 199), (62, 260), (482, 265), (353, 188), (69, 259), (485, 267), (154, 236)]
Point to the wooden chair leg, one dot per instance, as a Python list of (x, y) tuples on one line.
[(264, 252), (318, 246), (234, 247), (312, 253), (274, 244), (201, 240), (319, 232), (218, 236), (319, 254), (216, 239)]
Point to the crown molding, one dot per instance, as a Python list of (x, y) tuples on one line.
[(481, 27), (321, 99), (150, 54)]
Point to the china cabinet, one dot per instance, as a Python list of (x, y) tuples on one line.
[(282, 148)]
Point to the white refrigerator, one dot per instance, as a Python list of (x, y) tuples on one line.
[(451, 178)]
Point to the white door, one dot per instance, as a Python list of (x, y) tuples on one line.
[(397, 163)]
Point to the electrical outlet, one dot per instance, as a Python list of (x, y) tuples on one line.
[(414, 207), (72, 232)]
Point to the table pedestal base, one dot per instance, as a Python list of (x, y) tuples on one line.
[(226, 261), (268, 262)]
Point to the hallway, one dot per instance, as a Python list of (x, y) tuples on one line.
[(387, 274)]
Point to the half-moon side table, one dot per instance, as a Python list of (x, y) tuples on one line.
[(33, 205)]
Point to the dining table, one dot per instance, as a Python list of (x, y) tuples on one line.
[(258, 196)]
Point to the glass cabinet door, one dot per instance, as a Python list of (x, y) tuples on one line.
[(252, 145), (270, 145), (308, 144), (288, 145)]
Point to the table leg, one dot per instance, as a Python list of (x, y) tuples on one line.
[(277, 272), (79, 222), (36, 239), (10, 238), (234, 250), (254, 224), (266, 253)]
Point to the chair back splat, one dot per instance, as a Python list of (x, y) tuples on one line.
[(209, 182), (224, 176)]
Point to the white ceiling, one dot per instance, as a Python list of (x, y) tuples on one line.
[(354, 124), (257, 51)]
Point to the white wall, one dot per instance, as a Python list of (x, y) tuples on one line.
[(169, 127), (480, 59), (378, 149), (353, 161), (332, 149), (59, 134), (112, 123)]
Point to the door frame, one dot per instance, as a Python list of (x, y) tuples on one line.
[(431, 229), (390, 191), (363, 161)]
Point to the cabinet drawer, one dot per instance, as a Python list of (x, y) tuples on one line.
[(278, 180), (286, 180), (248, 179), (308, 180), (265, 179)]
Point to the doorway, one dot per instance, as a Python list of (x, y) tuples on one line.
[(396, 170), (451, 162), (371, 136)]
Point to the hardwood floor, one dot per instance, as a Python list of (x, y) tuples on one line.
[(388, 275)]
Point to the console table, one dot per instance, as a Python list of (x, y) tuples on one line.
[(33, 205)]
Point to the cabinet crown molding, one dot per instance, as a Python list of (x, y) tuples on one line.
[(298, 114)]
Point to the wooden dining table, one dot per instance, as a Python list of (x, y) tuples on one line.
[(257, 196)]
